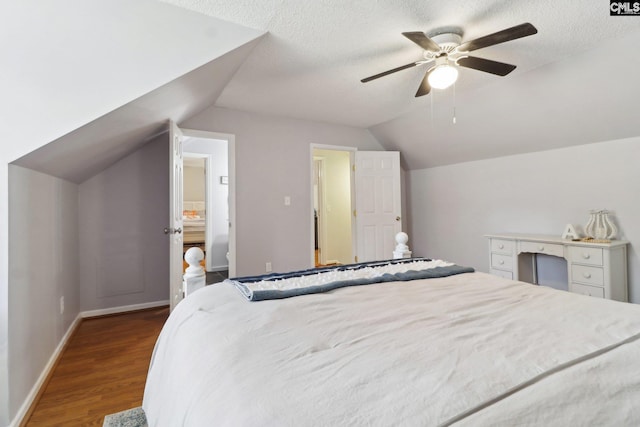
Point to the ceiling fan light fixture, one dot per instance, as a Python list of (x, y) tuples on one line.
[(443, 76)]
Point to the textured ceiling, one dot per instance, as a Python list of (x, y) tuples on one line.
[(575, 82), (311, 62)]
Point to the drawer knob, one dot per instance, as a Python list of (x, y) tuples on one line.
[(501, 262), (586, 256), (587, 275), (541, 248), (500, 246)]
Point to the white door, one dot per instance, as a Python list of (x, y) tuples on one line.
[(174, 230), (378, 204)]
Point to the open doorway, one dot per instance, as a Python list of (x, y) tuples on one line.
[(194, 212), (208, 200), (333, 228)]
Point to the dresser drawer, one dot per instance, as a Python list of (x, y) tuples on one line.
[(591, 291), (500, 273), (588, 275), (542, 248), (584, 255), (504, 262), (502, 246)]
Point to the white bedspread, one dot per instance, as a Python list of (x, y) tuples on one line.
[(471, 348)]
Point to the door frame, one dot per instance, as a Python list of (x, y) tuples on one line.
[(231, 159), (322, 229), (351, 151)]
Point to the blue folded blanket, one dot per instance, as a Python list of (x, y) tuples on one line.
[(241, 283)]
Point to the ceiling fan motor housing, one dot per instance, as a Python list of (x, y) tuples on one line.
[(448, 41)]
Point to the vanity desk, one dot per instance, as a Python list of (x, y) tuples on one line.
[(595, 269)]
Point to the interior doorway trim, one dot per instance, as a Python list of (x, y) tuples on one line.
[(231, 146), (312, 148)]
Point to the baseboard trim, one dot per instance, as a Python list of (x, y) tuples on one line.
[(28, 404), (122, 309)]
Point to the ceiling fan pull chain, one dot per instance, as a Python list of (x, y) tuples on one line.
[(432, 123), (454, 103)]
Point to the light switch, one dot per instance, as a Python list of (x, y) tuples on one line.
[(287, 201)]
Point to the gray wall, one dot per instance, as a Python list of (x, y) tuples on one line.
[(43, 260), (123, 251), (273, 160), (452, 207)]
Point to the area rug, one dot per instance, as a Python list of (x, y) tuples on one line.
[(130, 418)]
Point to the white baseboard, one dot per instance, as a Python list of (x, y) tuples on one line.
[(17, 420), (123, 309)]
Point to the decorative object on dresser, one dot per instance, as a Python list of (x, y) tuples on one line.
[(594, 268), (600, 226), (570, 232)]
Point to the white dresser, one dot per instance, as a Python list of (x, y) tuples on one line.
[(595, 269)]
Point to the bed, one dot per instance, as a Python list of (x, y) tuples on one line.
[(461, 348), (193, 223)]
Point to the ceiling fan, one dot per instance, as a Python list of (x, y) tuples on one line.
[(445, 51)]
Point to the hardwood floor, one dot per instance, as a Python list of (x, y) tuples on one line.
[(102, 370)]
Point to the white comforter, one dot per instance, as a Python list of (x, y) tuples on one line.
[(471, 349)]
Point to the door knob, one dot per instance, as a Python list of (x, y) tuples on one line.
[(397, 218)]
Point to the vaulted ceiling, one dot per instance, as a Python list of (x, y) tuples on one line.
[(574, 83)]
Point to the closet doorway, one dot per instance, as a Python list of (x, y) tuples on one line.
[(333, 222)]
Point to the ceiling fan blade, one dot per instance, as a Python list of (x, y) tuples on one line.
[(386, 73), (422, 40), (509, 34), (425, 87), (486, 65)]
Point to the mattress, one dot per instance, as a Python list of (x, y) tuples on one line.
[(469, 349)]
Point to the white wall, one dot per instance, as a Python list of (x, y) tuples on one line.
[(123, 251), (218, 219), (273, 161), (43, 259), (452, 207)]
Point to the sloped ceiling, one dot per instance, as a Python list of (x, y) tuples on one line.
[(574, 82), (91, 148), (87, 82)]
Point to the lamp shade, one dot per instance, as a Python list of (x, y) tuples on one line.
[(443, 76)]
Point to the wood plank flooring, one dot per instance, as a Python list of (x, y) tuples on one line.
[(101, 371)]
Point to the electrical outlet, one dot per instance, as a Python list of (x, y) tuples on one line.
[(268, 267), (61, 305)]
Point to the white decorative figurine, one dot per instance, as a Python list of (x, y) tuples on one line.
[(570, 232)]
